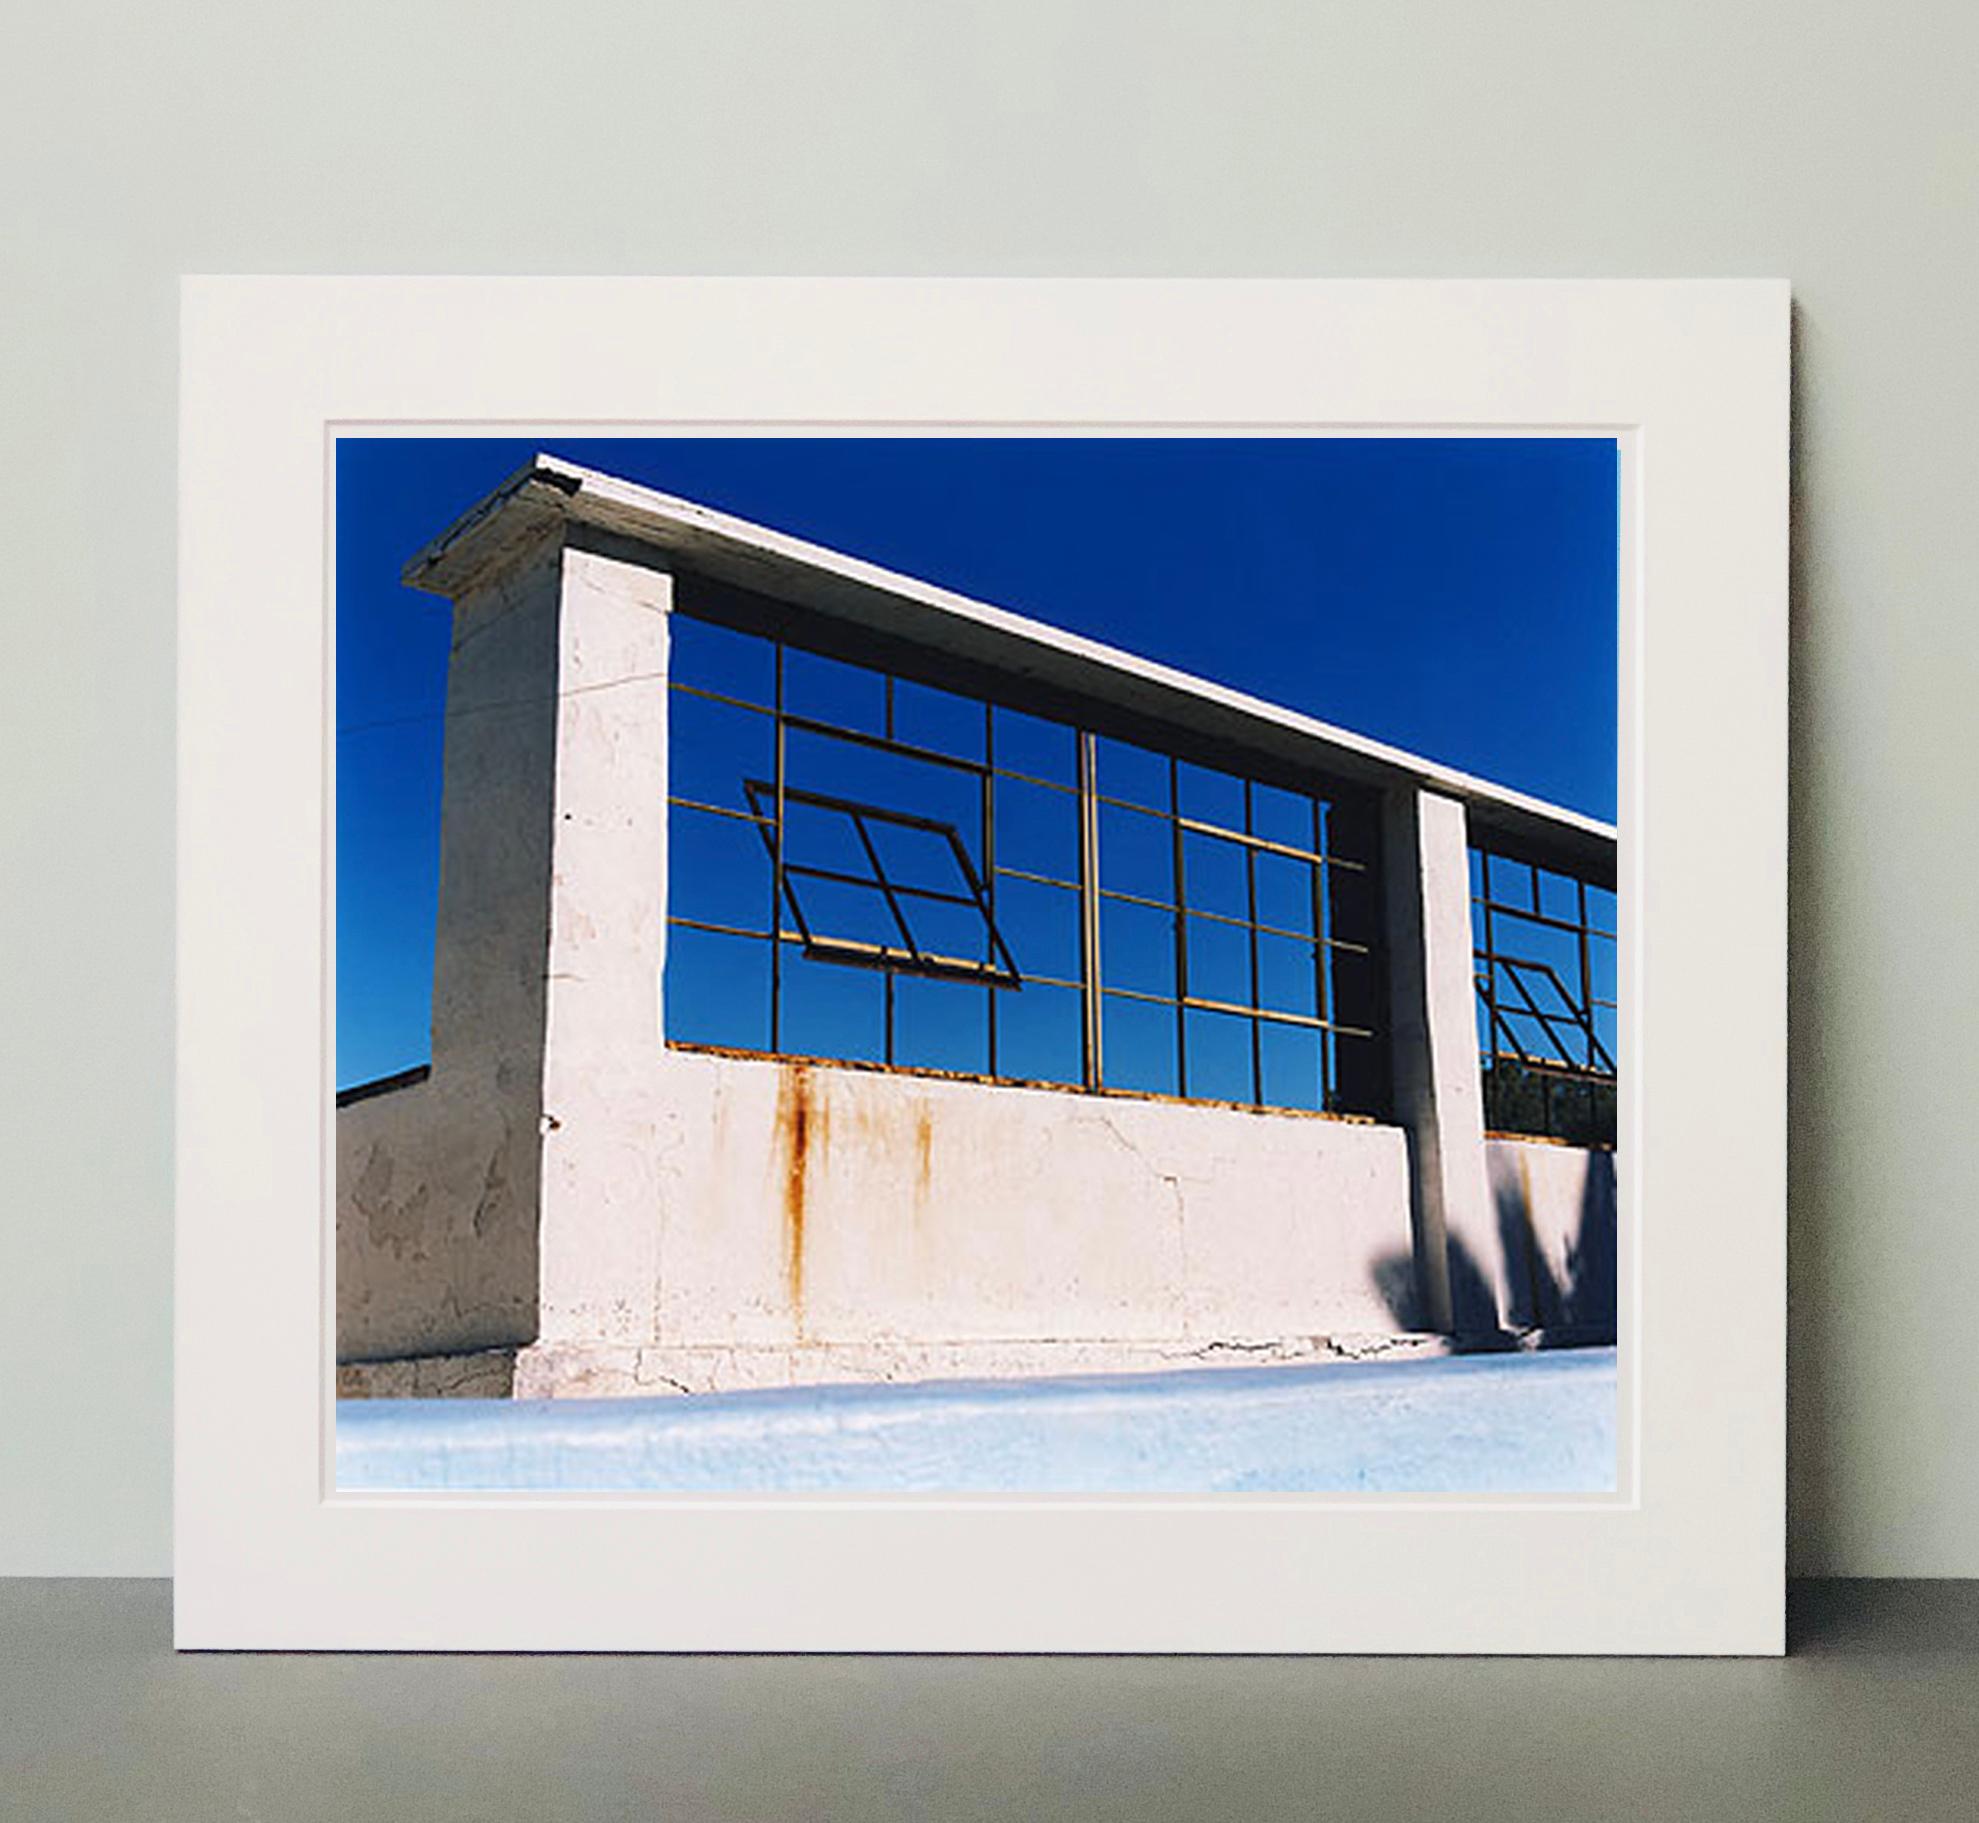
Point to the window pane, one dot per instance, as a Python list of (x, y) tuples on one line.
[(1601, 967), (1559, 897), (1132, 773), (1515, 1101), (1527, 1036), (1281, 816), (1041, 926), (1290, 1056), (888, 781), (1137, 1044), (830, 1010), (814, 836), (713, 747), (717, 989), (718, 869), (940, 1025), (956, 932), (1287, 981), (1285, 891), (1513, 884), (1584, 1113), (1211, 797), (849, 914), (1213, 875), (718, 658), (1219, 962), (1552, 958), (1220, 1057), (1037, 830), (827, 690), (1136, 853), (1039, 1033), (1027, 743), (1605, 1030), (917, 857), (938, 719), (1136, 947)]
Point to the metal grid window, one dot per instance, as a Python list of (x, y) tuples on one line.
[(1018, 898), (1546, 1002)]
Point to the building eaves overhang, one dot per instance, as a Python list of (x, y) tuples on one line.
[(549, 495)]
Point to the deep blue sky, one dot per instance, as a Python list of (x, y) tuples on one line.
[(1455, 597)]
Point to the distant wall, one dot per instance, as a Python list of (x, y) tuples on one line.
[(436, 1221)]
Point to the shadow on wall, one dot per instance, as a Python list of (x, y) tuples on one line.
[(1555, 1209)]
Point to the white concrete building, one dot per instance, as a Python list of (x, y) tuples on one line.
[(838, 978)]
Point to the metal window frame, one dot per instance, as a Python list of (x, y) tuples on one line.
[(1579, 1011), (770, 799), (909, 955)]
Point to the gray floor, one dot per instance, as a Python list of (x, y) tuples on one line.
[(1875, 1715)]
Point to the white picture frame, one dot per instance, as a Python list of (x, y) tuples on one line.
[(1687, 1557)]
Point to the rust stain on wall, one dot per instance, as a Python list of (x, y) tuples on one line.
[(801, 1130), (923, 1154)]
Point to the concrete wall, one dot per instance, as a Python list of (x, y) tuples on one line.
[(436, 1222), (812, 1222), (659, 1218), (1556, 1215)]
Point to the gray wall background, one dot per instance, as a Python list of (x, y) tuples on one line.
[(1829, 141)]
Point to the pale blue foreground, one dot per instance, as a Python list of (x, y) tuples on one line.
[(1511, 1423)]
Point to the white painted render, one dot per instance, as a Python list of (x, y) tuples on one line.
[(812, 1222), (1555, 1206), (618, 1215)]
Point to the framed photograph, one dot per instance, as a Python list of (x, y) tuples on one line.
[(982, 965)]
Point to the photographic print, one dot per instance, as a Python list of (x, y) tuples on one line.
[(981, 965), (977, 964)]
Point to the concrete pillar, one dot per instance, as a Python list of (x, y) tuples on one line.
[(552, 927), (438, 1184), (491, 937), (605, 1128), (553, 818), (1463, 1270)]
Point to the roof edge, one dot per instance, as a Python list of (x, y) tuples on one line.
[(549, 493)]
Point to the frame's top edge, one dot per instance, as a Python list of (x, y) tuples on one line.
[(549, 492), (1149, 281)]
